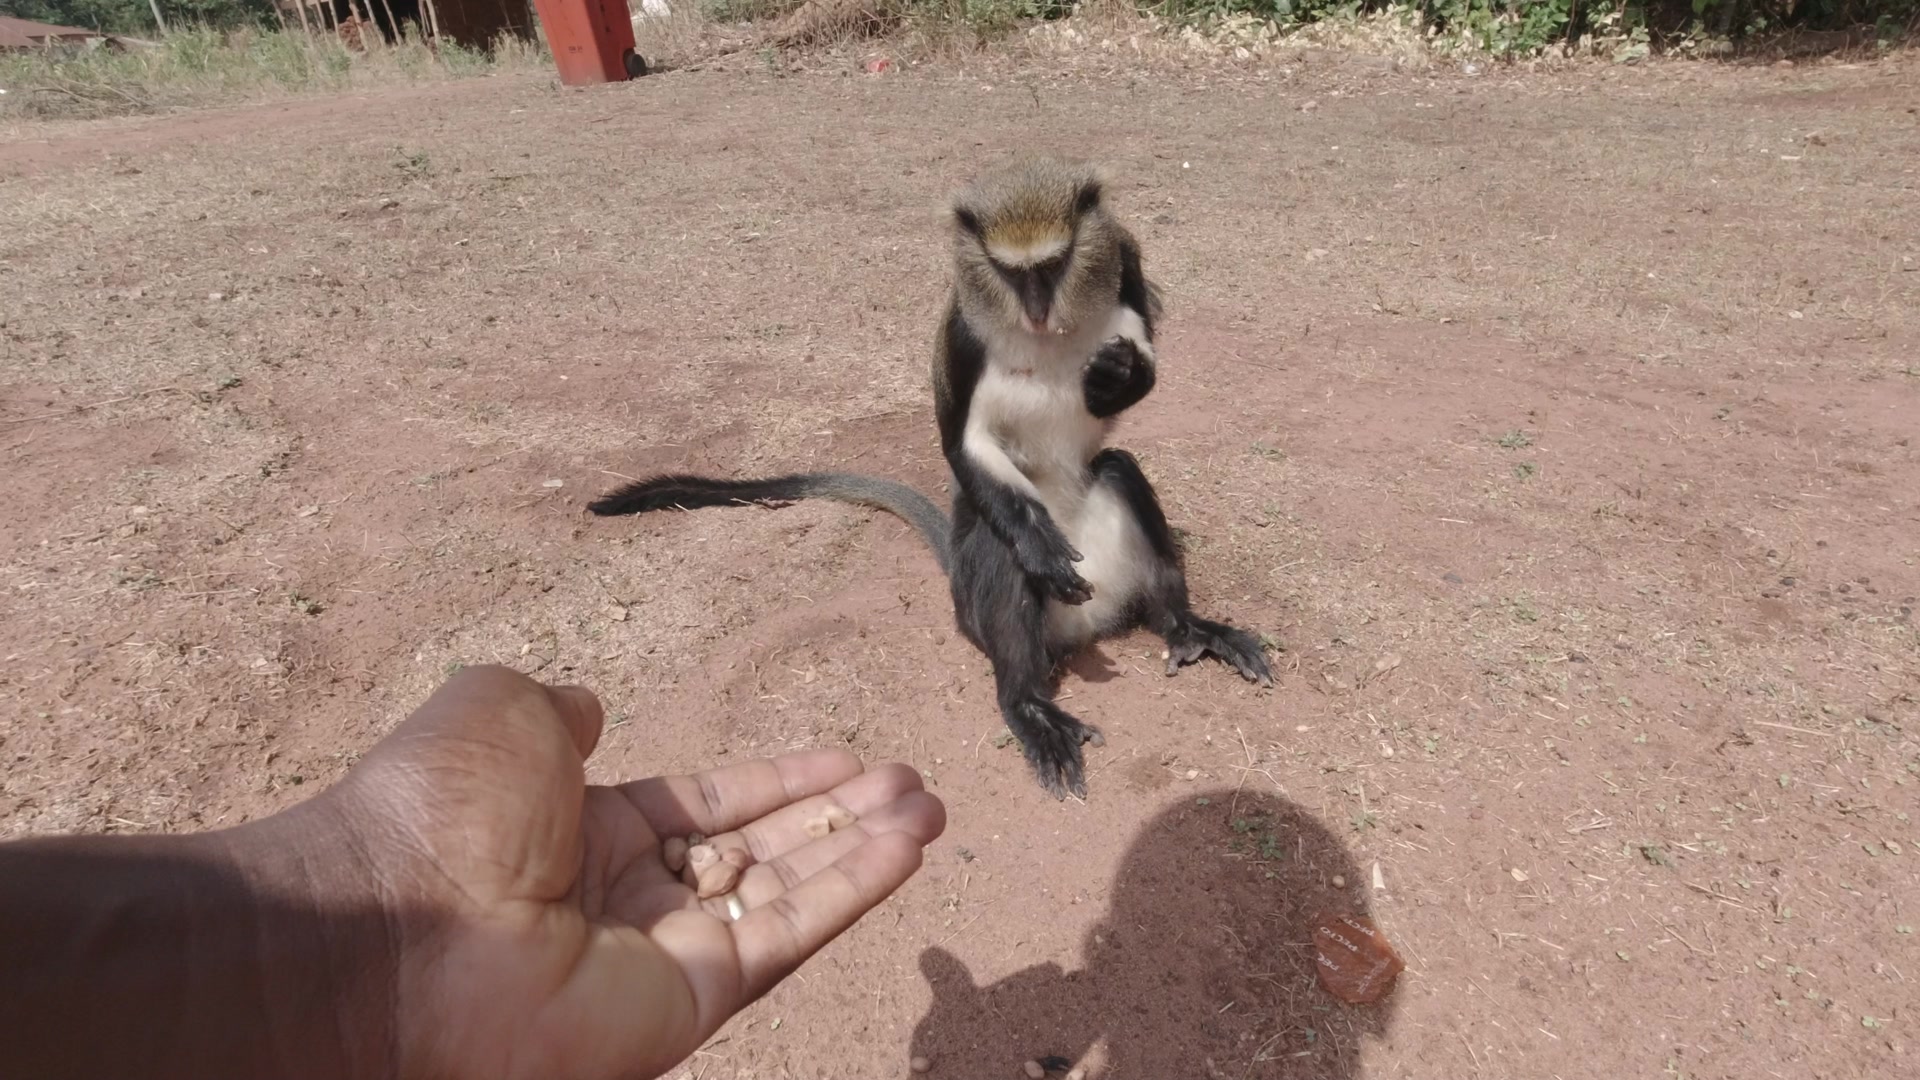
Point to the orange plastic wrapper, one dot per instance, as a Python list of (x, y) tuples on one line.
[(1355, 962)]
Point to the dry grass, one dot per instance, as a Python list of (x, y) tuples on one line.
[(201, 67)]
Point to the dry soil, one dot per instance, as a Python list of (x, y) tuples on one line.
[(1558, 429)]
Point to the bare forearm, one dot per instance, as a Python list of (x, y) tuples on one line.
[(214, 955)]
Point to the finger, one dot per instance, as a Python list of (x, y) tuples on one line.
[(786, 828), (720, 800), (773, 940), (483, 696), (582, 714), (916, 813)]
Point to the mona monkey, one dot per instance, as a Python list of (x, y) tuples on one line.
[(1054, 540)]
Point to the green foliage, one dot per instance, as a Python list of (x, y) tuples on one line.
[(1283, 12), (1525, 27), (1507, 27), (999, 16)]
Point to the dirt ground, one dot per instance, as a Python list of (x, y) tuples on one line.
[(1557, 427)]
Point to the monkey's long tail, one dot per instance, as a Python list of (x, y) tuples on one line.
[(686, 492)]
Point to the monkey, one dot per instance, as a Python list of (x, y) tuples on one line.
[(1054, 539)]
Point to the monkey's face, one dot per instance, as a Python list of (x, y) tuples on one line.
[(1033, 252)]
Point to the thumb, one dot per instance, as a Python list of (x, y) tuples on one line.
[(581, 713)]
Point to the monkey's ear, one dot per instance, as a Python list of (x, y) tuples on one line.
[(967, 219), (1087, 198)]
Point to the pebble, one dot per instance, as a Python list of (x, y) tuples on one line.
[(920, 1065), (1035, 1070), (1339, 881), (673, 851)]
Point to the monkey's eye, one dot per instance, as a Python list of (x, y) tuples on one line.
[(1051, 268), (1047, 273), (1012, 275)]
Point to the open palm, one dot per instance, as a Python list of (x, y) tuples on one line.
[(543, 934)]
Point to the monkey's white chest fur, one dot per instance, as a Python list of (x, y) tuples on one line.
[(1028, 426)]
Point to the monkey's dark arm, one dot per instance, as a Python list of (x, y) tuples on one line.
[(1136, 291), (1122, 372), (1024, 525)]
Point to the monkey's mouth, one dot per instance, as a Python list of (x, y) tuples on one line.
[(1043, 327)]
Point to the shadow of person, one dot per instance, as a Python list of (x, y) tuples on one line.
[(1203, 969)]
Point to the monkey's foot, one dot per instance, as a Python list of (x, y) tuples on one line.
[(1051, 739), (1195, 637)]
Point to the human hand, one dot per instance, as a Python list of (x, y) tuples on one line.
[(538, 931)]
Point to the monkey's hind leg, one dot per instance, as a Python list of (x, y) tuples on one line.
[(1164, 601), (1003, 613)]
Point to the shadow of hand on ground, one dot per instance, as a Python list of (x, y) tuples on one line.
[(1203, 969)]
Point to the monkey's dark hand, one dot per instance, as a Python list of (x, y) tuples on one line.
[(1046, 556), (1117, 377)]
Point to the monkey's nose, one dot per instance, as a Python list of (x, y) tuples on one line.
[(1034, 316)]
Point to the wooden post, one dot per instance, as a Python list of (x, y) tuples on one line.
[(393, 25), (159, 20), (433, 17), (361, 23)]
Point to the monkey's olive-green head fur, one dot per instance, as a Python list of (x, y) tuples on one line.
[(1035, 249)]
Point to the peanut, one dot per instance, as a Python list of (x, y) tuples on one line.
[(673, 851), (717, 879)]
